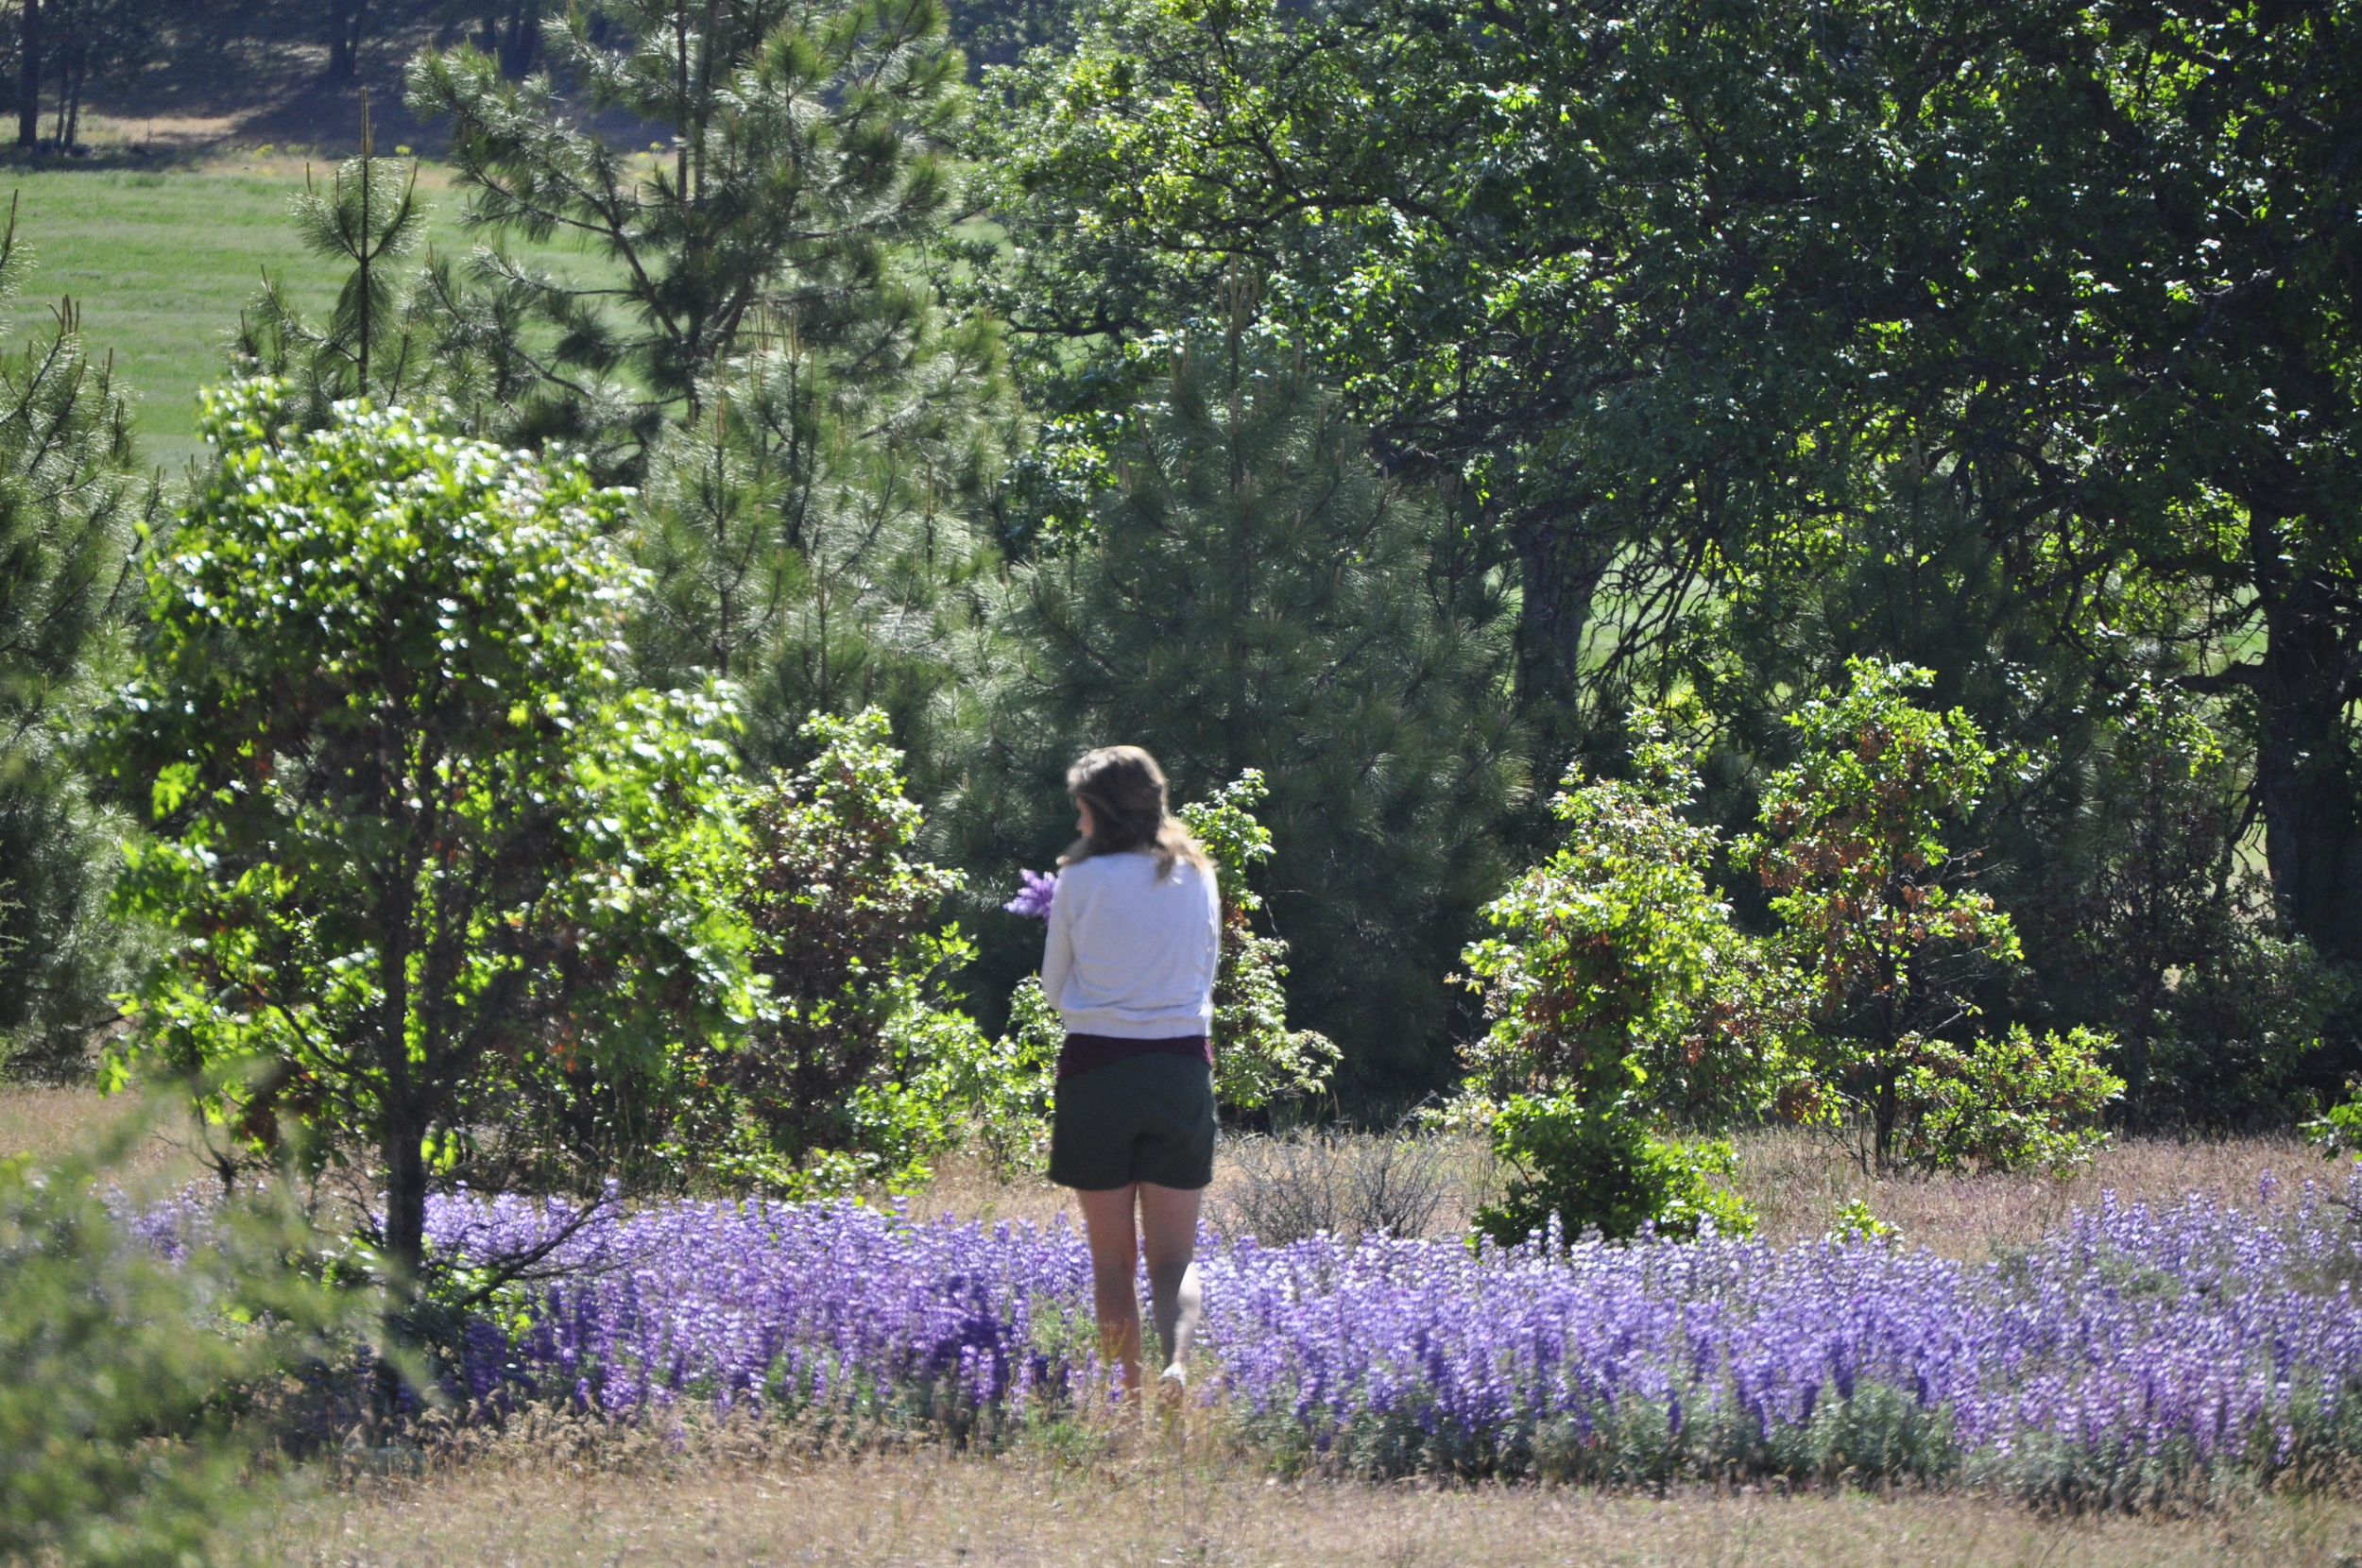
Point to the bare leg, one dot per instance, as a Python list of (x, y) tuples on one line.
[(1169, 1226), (1115, 1259)]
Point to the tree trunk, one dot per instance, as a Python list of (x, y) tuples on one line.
[(405, 1204), (347, 23), (1886, 1111), (404, 1237), (521, 40), (2136, 1059), (404, 1102), (2304, 773), (1560, 568), (28, 78)]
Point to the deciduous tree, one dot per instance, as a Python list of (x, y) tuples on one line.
[(1675, 288), (1867, 891), (415, 838)]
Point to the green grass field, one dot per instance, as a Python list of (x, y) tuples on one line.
[(160, 265)]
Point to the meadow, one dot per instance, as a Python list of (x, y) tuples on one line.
[(803, 1478), (158, 263)]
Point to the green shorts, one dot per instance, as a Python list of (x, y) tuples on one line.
[(1143, 1118)]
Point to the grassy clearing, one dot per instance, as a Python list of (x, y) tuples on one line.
[(45, 1122), (161, 263), (1162, 1504), (1796, 1183)]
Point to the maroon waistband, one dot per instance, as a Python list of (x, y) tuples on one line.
[(1083, 1053)]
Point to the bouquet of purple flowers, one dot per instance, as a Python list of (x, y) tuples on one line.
[(1033, 897)]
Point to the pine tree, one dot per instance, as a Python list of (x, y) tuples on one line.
[(809, 533), (803, 147), (70, 495), (2146, 923), (1259, 595), (813, 434), (367, 214)]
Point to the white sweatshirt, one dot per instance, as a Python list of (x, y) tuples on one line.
[(1130, 954)]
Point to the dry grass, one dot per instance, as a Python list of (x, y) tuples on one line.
[(46, 1122), (965, 1189), (1159, 1505), (49, 1123), (1797, 1182)]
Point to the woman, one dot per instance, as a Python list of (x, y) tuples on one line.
[(1135, 936)]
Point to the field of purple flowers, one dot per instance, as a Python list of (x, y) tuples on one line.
[(2135, 1352)]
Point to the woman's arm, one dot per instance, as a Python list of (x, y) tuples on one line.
[(1058, 954)]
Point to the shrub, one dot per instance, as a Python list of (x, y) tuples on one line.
[(1348, 1184), (1003, 1089), (1865, 888), (1595, 1167), (126, 1376), (2246, 1021), (1855, 1221), (1621, 995), (1618, 973), (1257, 1058), (860, 1067), (2014, 1103), (819, 1093), (2337, 1131)]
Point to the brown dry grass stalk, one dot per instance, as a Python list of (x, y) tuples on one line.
[(45, 1122), (1155, 1502), (1797, 1182)]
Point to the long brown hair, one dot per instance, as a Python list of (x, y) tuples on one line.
[(1125, 791)]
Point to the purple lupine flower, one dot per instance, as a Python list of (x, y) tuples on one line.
[(1032, 899), (2132, 1339)]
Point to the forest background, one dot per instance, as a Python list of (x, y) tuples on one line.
[(1390, 398)]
